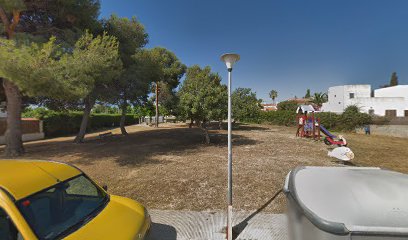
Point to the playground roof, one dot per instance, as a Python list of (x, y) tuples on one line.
[(308, 108)]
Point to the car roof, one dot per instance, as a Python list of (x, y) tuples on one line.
[(21, 178)]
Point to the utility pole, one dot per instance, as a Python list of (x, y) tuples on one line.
[(157, 105)]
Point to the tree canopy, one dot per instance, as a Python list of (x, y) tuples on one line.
[(245, 104), (46, 70), (308, 94), (41, 19), (130, 33), (26, 21), (288, 106), (319, 98), (202, 97), (131, 83), (172, 71), (273, 94)]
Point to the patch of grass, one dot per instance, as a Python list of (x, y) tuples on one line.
[(380, 151)]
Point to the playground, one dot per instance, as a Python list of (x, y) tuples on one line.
[(172, 168)]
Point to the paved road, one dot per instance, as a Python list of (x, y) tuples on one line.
[(189, 225)]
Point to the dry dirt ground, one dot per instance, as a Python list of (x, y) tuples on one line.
[(171, 167)]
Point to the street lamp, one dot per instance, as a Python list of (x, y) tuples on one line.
[(229, 59)]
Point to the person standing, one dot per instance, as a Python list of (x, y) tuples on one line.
[(301, 122), (367, 129)]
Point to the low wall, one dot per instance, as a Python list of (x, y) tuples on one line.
[(388, 130), (398, 121), (26, 137), (32, 129)]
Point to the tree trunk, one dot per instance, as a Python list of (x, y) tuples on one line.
[(190, 125), (220, 124), (89, 103), (205, 129), (157, 106), (123, 119), (13, 134)]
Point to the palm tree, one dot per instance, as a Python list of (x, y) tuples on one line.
[(273, 94), (319, 98)]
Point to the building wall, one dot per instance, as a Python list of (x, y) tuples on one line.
[(392, 98), (335, 100), (381, 104), (396, 91), (339, 97)]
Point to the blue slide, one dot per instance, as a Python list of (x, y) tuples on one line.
[(326, 132)]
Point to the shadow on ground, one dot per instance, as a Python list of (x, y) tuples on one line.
[(247, 127), (240, 227), (162, 232), (137, 148)]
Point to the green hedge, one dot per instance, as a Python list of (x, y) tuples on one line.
[(347, 121), (66, 123), (287, 118)]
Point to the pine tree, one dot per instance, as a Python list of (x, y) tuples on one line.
[(307, 95), (394, 79)]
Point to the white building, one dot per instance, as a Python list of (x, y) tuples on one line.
[(390, 101)]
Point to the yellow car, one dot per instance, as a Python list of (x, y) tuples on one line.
[(51, 200)]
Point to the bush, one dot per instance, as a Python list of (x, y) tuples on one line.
[(353, 118), (35, 112), (288, 106), (65, 123), (286, 118), (348, 121), (329, 120)]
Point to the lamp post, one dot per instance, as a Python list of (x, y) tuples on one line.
[(229, 59)]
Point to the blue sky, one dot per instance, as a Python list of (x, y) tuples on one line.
[(284, 45)]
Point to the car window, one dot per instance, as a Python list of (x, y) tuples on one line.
[(83, 187), (57, 211), (8, 231)]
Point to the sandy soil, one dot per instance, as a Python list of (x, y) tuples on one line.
[(171, 167)]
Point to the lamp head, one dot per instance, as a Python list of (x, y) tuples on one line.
[(230, 59)]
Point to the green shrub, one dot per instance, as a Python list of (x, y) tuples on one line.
[(61, 123), (353, 118), (287, 118), (35, 112), (329, 120), (66, 123), (347, 121), (288, 106)]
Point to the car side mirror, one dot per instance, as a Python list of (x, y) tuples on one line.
[(105, 187)]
